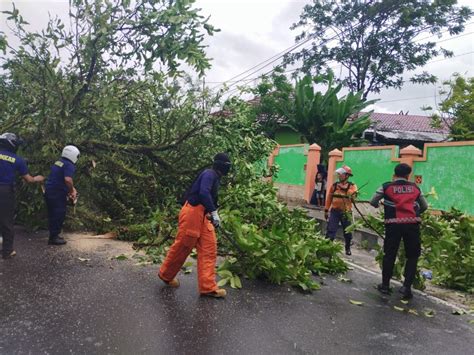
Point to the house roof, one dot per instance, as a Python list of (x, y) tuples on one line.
[(407, 123)]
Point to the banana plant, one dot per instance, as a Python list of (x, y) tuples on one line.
[(326, 119)]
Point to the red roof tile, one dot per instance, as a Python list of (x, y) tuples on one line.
[(400, 122)]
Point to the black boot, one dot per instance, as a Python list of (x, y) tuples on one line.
[(385, 289), (56, 241), (406, 292), (348, 247)]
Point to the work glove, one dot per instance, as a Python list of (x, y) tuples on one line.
[(215, 219)]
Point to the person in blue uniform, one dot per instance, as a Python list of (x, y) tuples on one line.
[(10, 165), (60, 188)]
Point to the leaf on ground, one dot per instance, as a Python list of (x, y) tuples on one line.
[(121, 257), (429, 313), (458, 312), (357, 303), (413, 311), (344, 279), (350, 268), (471, 321), (401, 309), (144, 263), (188, 270), (238, 283), (83, 259), (188, 264), (222, 282), (404, 301)]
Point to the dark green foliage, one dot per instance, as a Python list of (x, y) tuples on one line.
[(375, 41)]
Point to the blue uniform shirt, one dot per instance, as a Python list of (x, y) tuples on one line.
[(60, 169), (204, 190), (10, 164)]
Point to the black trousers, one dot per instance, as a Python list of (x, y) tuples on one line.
[(7, 213), (394, 233), (56, 201)]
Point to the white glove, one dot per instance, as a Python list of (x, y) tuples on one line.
[(215, 219)]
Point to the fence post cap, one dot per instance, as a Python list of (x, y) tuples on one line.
[(411, 150), (314, 146), (335, 153)]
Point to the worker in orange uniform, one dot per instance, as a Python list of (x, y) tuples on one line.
[(198, 220), (338, 208)]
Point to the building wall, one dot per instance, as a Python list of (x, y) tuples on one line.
[(291, 162), (371, 168), (447, 168)]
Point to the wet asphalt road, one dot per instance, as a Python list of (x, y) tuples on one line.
[(52, 303)]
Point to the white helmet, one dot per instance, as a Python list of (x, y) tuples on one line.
[(71, 152)]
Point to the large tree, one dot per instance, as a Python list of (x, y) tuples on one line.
[(107, 83), (376, 41)]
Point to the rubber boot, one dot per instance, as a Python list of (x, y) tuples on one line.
[(173, 283), (56, 241), (406, 292), (219, 293), (348, 247)]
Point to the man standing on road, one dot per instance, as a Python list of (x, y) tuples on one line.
[(196, 228), (60, 188), (10, 164), (338, 208), (403, 204)]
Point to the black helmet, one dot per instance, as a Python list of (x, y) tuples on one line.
[(222, 163), (10, 141)]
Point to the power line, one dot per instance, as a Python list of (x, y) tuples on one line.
[(289, 49), (407, 99), (429, 62)]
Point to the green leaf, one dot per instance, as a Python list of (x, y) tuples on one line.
[(430, 313), (121, 257), (401, 309), (404, 301), (357, 303), (458, 312), (222, 282)]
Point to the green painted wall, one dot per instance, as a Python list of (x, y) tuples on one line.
[(450, 171), (371, 167), (291, 161), (286, 136)]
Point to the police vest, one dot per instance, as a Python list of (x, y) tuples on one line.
[(400, 202)]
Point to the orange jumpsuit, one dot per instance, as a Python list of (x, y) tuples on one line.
[(194, 230)]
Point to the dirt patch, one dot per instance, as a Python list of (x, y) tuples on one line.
[(104, 245)]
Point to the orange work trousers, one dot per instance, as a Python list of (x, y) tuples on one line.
[(194, 231)]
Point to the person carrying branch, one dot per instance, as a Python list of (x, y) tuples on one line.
[(197, 222), (10, 165), (338, 208), (403, 203)]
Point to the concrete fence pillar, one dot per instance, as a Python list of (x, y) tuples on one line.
[(314, 158), (409, 154), (334, 156)]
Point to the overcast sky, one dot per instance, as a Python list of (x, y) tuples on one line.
[(254, 30)]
